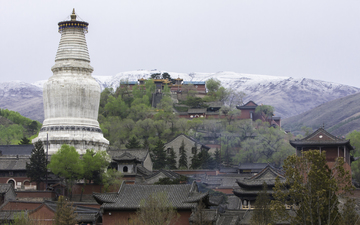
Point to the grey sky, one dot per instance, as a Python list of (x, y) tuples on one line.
[(313, 39)]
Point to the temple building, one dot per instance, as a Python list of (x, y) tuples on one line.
[(324, 141), (72, 96)]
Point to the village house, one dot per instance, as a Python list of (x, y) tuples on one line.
[(122, 206)]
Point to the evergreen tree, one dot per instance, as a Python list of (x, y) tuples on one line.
[(171, 159), (36, 168), (183, 163), (25, 141), (145, 144), (262, 214), (206, 161), (312, 187), (195, 160), (65, 213), (133, 143), (159, 155), (217, 158)]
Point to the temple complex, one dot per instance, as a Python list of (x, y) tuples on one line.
[(72, 96)]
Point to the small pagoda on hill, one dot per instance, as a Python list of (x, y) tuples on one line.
[(324, 141)]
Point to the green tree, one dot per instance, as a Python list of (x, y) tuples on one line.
[(157, 209), (159, 155), (171, 160), (217, 157), (354, 138), (111, 180), (307, 130), (195, 159), (230, 114), (36, 169), (66, 164), (25, 141), (312, 188), (93, 164), (262, 214), (183, 163), (266, 110), (133, 143), (65, 213)]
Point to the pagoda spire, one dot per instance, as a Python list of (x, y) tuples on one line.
[(73, 15)]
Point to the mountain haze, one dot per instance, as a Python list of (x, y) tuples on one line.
[(290, 96), (339, 117)]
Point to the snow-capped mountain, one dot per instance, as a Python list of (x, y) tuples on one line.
[(290, 96)]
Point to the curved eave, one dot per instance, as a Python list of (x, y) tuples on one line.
[(321, 143)]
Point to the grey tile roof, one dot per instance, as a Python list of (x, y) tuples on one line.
[(130, 196), (208, 215), (268, 175), (143, 171), (252, 166), (167, 173), (16, 149), (190, 138), (13, 163), (5, 188), (84, 214), (328, 139), (128, 154), (105, 197), (201, 110), (233, 202)]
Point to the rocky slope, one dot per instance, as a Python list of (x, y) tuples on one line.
[(289, 96)]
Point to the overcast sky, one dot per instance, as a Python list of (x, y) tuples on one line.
[(313, 39)]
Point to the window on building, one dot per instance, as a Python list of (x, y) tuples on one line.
[(168, 150), (125, 169)]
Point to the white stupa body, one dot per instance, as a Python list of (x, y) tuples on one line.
[(71, 95)]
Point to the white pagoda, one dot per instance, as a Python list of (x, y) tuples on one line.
[(71, 95)]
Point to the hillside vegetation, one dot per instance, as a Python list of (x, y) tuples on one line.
[(13, 127), (339, 117)]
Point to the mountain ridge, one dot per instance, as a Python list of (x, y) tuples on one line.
[(290, 96)]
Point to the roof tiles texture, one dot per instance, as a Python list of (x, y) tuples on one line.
[(129, 197)]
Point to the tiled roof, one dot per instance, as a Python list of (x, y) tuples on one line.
[(215, 104), (321, 137), (84, 214), (268, 175), (128, 154), (192, 139), (201, 110), (105, 197), (130, 196), (207, 216), (252, 166), (167, 173), (16, 149), (13, 163), (143, 171), (5, 188)]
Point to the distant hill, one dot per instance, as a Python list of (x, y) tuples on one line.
[(290, 96), (339, 117), (13, 127)]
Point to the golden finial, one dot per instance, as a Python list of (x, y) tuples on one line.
[(73, 15)]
